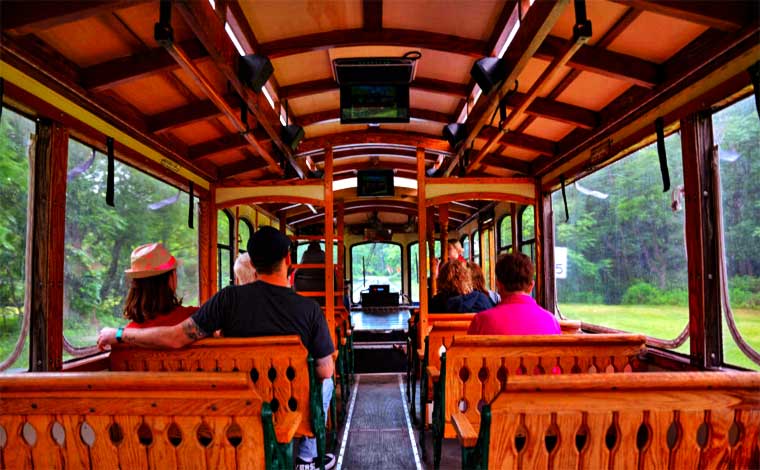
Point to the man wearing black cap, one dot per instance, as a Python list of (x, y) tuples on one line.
[(267, 307)]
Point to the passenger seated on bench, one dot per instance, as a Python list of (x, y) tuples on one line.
[(455, 292), (245, 273), (311, 279), (267, 307), (479, 282), (518, 313), (152, 298)]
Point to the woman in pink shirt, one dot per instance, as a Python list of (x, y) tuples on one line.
[(518, 313)]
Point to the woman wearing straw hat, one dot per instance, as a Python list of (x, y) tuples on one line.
[(152, 298)]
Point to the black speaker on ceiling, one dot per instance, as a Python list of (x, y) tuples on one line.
[(292, 135), (454, 133), (488, 72), (254, 70)]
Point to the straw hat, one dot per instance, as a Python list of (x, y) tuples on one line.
[(150, 260)]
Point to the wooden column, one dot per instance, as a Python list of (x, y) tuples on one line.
[(422, 234), (515, 233), (545, 286), (430, 215), (46, 231), (340, 231), (329, 237), (236, 234), (443, 221), (283, 222), (493, 256), (207, 246), (701, 198)]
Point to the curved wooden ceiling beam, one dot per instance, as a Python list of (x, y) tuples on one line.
[(30, 17), (333, 114), (311, 218), (386, 37), (345, 139)]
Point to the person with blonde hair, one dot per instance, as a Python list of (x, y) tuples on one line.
[(455, 291), (152, 298), (245, 273)]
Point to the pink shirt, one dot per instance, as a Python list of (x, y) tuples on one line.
[(518, 314)]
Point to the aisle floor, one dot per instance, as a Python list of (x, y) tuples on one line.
[(378, 433)]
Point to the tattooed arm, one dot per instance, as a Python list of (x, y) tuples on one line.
[(164, 337)]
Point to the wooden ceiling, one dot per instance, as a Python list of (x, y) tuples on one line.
[(570, 93)]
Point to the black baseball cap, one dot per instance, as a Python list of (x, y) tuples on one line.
[(267, 246)]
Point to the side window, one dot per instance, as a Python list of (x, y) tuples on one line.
[(476, 247), (505, 234), (414, 262), (625, 247), (528, 232), (245, 230), (224, 262), (737, 133), (466, 245), (99, 240), (15, 140)]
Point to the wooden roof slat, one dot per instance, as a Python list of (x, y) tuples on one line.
[(414, 113), (508, 163), (225, 143), (186, 114), (724, 15), (556, 110), (24, 17), (374, 137), (689, 64), (538, 21), (243, 166), (109, 74), (209, 29), (604, 62), (523, 141), (386, 37)]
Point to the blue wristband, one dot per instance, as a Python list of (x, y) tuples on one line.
[(119, 333)]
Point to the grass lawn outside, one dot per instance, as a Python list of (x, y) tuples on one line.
[(666, 322)]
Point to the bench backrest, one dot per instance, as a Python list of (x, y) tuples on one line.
[(277, 365), (136, 420), (684, 420), (434, 318), (442, 333), (478, 367)]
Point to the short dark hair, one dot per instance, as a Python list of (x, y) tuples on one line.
[(515, 272)]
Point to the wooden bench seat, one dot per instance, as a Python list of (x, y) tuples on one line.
[(676, 420), (140, 420), (280, 368), (474, 369)]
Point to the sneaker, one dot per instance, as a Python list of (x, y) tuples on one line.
[(330, 461)]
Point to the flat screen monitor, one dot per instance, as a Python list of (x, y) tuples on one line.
[(374, 183), (374, 103)]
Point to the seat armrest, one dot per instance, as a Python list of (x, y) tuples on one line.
[(420, 354), (343, 341), (433, 373), (286, 428), (465, 431)]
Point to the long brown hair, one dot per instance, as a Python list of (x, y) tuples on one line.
[(478, 279), (149, 297), (454, 278)]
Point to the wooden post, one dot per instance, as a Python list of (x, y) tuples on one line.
[(236, 234), (46, 231), (430, 215), (493, 256), (700, 196), (443, 221), (329, 237), (513, 208), (207, 246), (341, 261), (422, 234), (283, 222), (545, 250)]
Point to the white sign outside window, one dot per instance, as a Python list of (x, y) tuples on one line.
[(560, 262)]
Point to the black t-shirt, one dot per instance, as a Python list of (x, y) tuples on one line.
[(262, 309)]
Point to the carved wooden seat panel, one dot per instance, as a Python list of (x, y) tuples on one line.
[(277, 366), (681, 420), (135, 420), (478, 367)]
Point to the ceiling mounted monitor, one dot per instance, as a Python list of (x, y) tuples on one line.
[(374, 103), (398, 70), (374, 183)]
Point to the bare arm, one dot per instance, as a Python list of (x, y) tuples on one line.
[(160, 337), (325, 367)]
